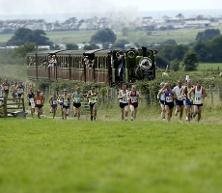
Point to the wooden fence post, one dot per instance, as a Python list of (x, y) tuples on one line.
[(5, 106)]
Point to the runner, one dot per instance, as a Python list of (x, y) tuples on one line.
[(133, 102), (169, 100), (77, 97), (161, 98), (31, 101), (65, 104), (1, 95), (92, 98), (123, 101), (39, 103), (199, 95), (20, 91), (178, 90), (53, 101), (6, 88), (188, 100)]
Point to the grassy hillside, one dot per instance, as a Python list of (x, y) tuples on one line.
[(71, 156)]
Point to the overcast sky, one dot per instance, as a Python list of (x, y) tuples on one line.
[(27, 7)]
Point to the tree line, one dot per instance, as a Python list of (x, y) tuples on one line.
[(206, 48)]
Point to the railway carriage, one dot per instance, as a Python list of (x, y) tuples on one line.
[(99, 66)]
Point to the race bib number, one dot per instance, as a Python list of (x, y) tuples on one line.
[(134, 99), (54, 102), (65, 103), (38, 102), (169, 99)]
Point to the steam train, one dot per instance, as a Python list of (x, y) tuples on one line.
[(99, 66)]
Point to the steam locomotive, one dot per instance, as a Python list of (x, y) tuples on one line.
[(99, 66)]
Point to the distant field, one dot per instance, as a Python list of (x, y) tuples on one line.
[(12, 71), (78, 156), (70, 37), (182, 36), (5, 37), (210, 66)]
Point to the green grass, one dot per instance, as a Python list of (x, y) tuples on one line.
[(5, 37), (114, 157), (12, 71), (209, 66)]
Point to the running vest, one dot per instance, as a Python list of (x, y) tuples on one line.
[(198, 96), (93, 99), (123, 96), (66, 101), (168, 96), (133, 96), (20, 90), (39, 100), (76, 98), (178, 92), (54, 101)]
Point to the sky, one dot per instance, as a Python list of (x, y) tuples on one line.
[(85, 7)]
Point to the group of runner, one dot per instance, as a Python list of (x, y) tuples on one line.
[(186, 96), (128, 102), (65, 102), (17, 90)]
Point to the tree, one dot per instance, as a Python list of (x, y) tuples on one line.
[(208, 34), (72, 47), (161, 62), (120, 43), (21, 51), (190, 61), (103, 36), (24, 35)]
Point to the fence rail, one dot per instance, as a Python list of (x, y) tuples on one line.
[(10, 107)]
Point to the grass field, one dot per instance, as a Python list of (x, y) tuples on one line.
[(12, 71), (114, 157), (209, 66)]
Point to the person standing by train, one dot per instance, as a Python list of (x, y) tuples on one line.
[(133, 102), (123, 101), (77, 97), (199, 93), (39, 103), (92, 98)]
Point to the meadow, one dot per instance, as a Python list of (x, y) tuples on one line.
[(51, 156)]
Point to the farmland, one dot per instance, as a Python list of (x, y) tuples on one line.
[(80, 156), (182, 36)]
